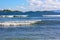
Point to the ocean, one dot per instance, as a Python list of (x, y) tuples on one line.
[(49, 30)]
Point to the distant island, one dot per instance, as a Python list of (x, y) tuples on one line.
[(32, 13), (6, 10)]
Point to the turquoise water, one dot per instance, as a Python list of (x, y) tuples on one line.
[(50, 30)]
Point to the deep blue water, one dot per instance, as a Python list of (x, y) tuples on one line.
[(45, 32), (50, 30)]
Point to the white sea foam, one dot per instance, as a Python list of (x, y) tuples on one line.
[(51, 15), (12, 16), (18, 23)]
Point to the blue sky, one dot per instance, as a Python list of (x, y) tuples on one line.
[(30, 5), (11, 3)]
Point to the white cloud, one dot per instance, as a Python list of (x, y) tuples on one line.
[(40, 5), (52, 5), (35, 4), (44, 5)]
